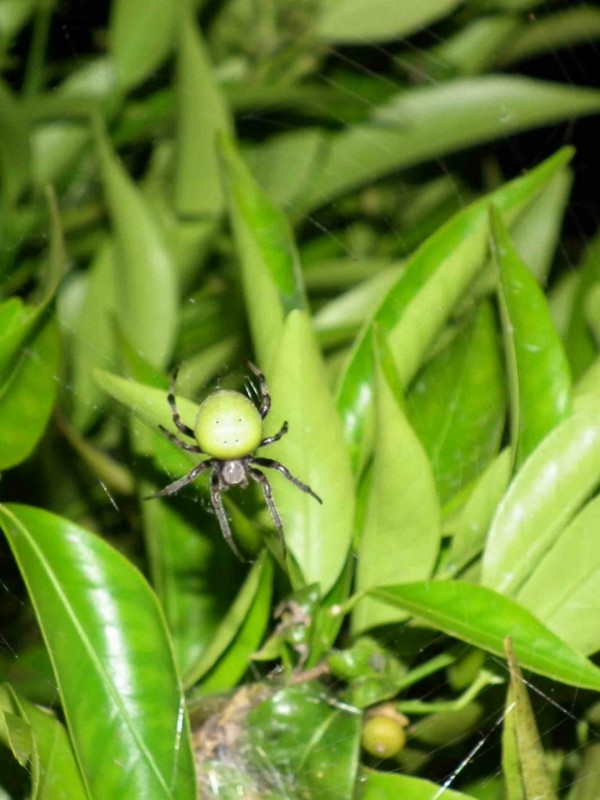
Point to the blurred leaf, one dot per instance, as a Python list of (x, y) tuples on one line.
[(235, 662), (401, 534), (588, 781), (318, 536), (270, 266), (418, 305), (141, 34), (538, 372), (566, 27), (534, 769), (484, 618), (457, 404), (392, 786), (256, 587), (354, 22), (546, 492), (111, 656), (579, 342), (201, 115), (146, 287), (15, 163), (28, 393), (433, 121), (53, 767), (296, 730)]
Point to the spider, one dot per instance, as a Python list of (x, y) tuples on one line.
[(229, 429)]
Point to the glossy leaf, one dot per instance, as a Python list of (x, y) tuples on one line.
[(353, 22), (296, 730), (111, 656), (318, 536), (482, 617), (269, 262), (543, 497), (142, 34), (202, 115), (444, 117), (146, 290), (539, 375), (28, 395), (391, 786), (401, 533), (417, 306), (457, 404), (52, 762), (564, 589)]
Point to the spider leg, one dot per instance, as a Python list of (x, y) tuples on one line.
[(271, 464), (276, 437), (191, 448), (174, 487), (173, 406), (215, 496), (262, 382), (261, 478)]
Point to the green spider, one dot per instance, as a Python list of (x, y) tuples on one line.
[(229, 429)]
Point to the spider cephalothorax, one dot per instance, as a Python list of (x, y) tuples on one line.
[(229, 429)]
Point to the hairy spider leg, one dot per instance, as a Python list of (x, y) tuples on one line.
[(262, 382), (271, 464), (191, 448), (262, 479), (276, 437), (174, 487), (181, 426), (215, 496)]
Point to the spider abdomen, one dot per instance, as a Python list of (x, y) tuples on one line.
[(228, 425)]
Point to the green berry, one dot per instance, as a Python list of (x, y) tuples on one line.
[(383, 737)]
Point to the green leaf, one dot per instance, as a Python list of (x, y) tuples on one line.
[(392, 786), (52, 760), (539, 375), (146, 290), (318, 536), (141, 34), (296, 731), (432, 121), (418, 305), (253, 593), (564, 589), (354, 22), (28, 394), (470, 525), (547, 491), (534, 767), (111, 656), (201, 115), (401, 533), (270, 266), (457, 404), (482, 617), (15, 163)]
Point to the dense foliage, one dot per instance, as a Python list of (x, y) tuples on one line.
[(315, 186)]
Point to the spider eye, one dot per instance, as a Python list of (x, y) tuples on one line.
[(228, 425)]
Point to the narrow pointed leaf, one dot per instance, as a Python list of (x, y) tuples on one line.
[(538, 370), (484, 618), (546, 493)]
